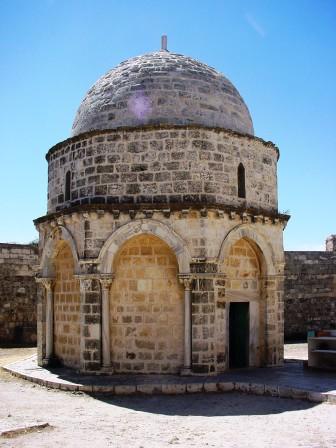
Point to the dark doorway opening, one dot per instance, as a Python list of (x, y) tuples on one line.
[(239, 333)]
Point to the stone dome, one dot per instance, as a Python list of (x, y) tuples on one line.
[(162, 88)]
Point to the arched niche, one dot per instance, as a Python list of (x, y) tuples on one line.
[(261, 246), (146, 308), (66, 306)]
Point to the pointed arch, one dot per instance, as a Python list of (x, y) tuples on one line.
[(145, 272), (249, 233), (60, 233), (138, 227)]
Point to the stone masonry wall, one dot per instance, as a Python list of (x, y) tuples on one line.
[(203, 323), (198, 235), (310, 292), (163, 166), (18, 294)]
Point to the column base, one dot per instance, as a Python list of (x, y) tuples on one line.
[(51, 362), (45, 362), (186, 371)]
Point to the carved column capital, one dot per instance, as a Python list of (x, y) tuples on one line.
[(106, 280), (85, 284), (186, 281), (47, 282), (85, 281)]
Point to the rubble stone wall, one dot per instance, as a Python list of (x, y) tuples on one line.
[(18, 294)]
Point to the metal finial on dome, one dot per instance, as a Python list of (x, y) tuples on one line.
[(164, 42)]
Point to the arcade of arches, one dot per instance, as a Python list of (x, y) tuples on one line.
[(141, 318)]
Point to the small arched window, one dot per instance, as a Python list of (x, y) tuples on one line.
[(67, 192), (241, 181)]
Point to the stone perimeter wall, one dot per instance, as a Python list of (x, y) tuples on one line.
[(163, 166), (310, 292), (18, 293)]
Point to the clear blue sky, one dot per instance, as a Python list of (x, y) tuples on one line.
[(281, 55)]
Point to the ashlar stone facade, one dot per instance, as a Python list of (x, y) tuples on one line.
[(162, 251), (237, 258)]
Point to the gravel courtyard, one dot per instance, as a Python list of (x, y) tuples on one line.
[(214, 420)]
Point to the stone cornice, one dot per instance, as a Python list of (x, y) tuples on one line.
[(234, 213), (90, 134)]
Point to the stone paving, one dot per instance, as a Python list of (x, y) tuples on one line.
[(292, 380)]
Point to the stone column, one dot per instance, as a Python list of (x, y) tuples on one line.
[(48, 284), (105, 283), (41, 324), (186, 282)]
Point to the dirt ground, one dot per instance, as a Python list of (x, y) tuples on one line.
[(208, 420), (9, 355)]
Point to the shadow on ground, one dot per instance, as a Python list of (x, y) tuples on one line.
[(290, 375), (206, 405)]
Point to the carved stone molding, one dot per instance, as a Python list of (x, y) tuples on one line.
[(106, 280), (85, 282), (47, 282), (186, 280)]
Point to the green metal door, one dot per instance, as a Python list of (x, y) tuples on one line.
[(239, 332)]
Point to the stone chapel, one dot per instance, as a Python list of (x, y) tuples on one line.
[(161, 250)]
